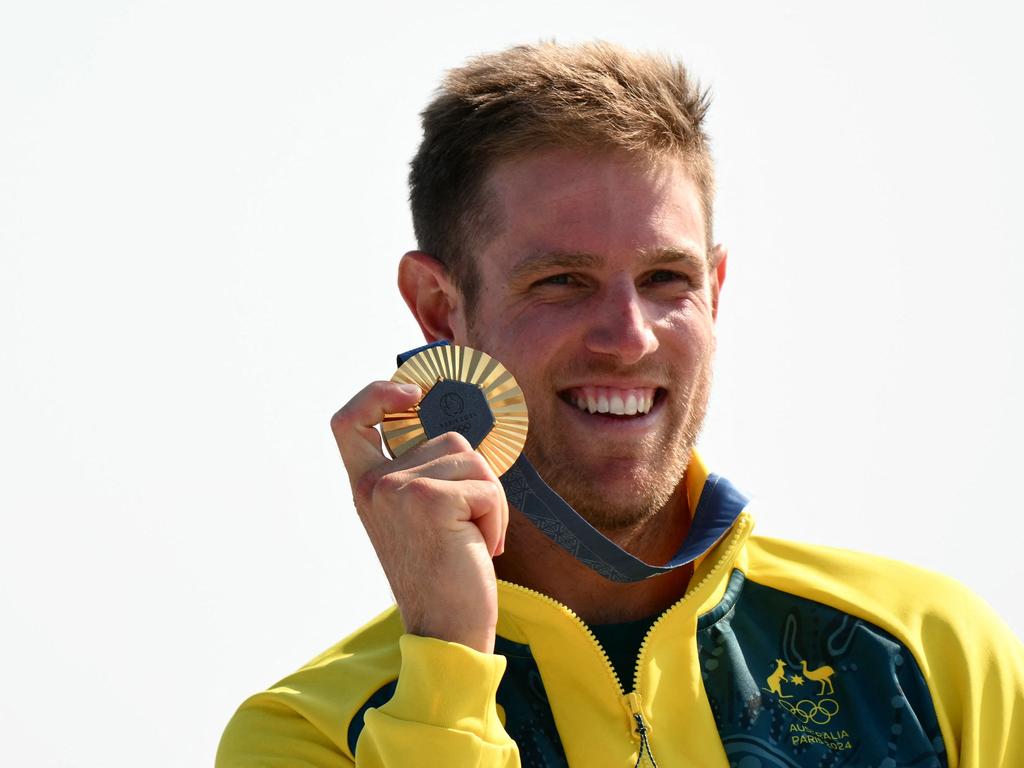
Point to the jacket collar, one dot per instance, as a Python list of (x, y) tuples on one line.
[(720, 524)]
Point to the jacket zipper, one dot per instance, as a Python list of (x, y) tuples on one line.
[(640, 729), (638, 726), (727, 557)]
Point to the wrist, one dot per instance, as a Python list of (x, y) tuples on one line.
[(479, 638)]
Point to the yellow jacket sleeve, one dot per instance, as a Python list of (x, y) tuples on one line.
[(443, 712), (976, 672), (267, 733)]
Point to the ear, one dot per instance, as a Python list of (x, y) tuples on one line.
[(719, 257), (430, 295)]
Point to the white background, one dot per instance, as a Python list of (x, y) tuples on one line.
[(202, 205)]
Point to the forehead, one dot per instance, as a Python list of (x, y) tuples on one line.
[(606, 204)]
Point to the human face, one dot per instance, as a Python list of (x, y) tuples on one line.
[(596, 293)]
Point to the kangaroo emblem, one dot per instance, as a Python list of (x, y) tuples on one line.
[(775, 679), (822, 674)]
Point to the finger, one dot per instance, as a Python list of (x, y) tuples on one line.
[(431, 459), (455, 504), (500, 549), (354, 426), (489, 512), (446, 457)]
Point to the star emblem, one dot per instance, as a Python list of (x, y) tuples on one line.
[(796, 680)]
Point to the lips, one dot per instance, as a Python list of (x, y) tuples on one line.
[(612, 400)]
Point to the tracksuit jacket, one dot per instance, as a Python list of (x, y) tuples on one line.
[(778, 654)]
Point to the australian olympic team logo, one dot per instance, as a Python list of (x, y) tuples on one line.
[(819, 710)]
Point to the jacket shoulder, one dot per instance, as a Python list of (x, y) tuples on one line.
[(888, 592)]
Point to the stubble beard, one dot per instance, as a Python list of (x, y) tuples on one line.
[(652, 483)]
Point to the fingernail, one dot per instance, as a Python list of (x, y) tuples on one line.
[(410, 389)]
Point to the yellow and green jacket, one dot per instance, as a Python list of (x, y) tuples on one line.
[(779, 654)]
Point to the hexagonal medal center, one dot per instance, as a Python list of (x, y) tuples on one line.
[(455, 406)]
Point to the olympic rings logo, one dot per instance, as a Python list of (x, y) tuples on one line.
[(818, 712)]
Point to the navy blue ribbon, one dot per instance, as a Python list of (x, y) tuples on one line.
[(719, 506)]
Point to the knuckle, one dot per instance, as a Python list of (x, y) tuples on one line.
[(340, 420), (365, 488), (387, 484), (478, 465), (495, 494), (421, 489)]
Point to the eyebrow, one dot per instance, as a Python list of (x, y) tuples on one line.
[(653, 257), (649, 257)]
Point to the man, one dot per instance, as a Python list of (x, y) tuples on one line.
[(562, 199)]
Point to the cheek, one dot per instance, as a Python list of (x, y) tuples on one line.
[(690, 330), (521, 347), (534, 334)]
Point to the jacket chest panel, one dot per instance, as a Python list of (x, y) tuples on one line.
[(798, 683)]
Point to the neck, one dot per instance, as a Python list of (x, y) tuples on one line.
[(532, 560)]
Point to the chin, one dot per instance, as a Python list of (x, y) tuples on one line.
[(611, 492), (610, 515), (617, 500)]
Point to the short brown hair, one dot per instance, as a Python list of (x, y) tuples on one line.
[(593, 95)]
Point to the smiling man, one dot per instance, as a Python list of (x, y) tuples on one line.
[(562, 198)]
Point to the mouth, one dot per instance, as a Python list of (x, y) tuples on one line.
[(614, 401)]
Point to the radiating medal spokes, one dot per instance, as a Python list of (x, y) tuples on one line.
[(466, 391)]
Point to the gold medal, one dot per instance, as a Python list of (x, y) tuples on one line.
[(465, 391)]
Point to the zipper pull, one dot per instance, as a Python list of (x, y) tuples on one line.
[(641, 729)]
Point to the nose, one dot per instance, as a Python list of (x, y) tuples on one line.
[(619, 324)]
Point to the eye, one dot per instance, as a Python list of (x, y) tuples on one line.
[(666, 276), (563, 278)]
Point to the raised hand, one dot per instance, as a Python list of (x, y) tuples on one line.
[(436, 516)]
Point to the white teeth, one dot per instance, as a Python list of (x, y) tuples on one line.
[(631, 405), (620, 402)]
